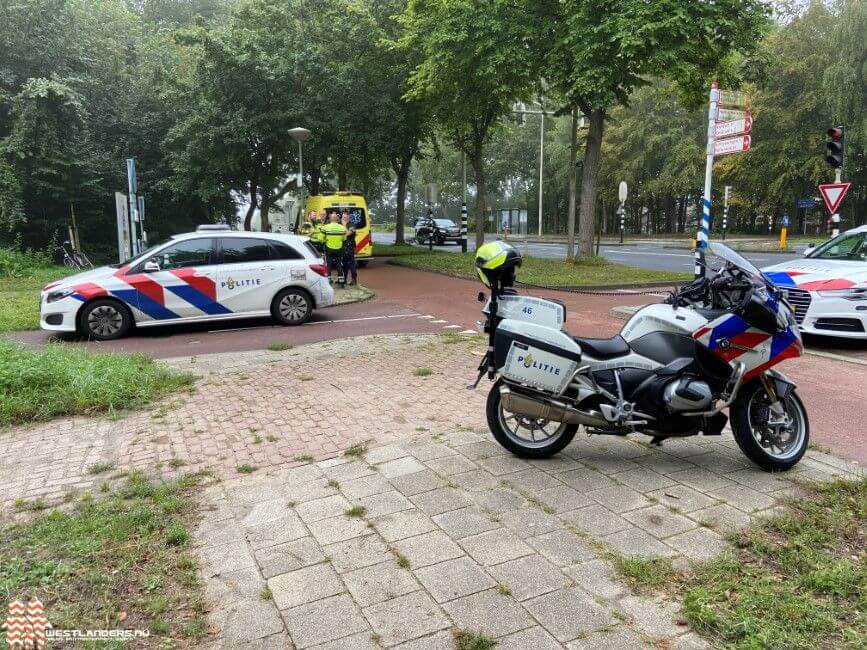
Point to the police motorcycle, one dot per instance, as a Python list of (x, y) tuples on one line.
[(712, 345)]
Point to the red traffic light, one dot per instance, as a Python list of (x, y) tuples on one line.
[(836, 133)]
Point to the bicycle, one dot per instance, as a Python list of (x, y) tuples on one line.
[(72, 258)]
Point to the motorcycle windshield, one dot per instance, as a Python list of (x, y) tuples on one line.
[(738, 260)]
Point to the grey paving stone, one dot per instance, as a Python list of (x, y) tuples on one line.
[(690, 641), (360, 641), (535, 637), (324, 620), (448, 465), (756, 479), (501, 465), (279, 641), (562, 547), (399, 467), (643, 479), (458, 524), (400, 525), (479, 450), (246, 620), (683, 498), (337, 529), (617, 639), (686, 448), (380, 582), (659, 521), (329, 506), (634, 542), (417, 482), (619, 498), (556, 464), (443, 640), (533, 480), (719, 463), (305, 585), (568, 613), (282, 530), (585, 480), (290, 556), (654, 618), (216, 533), (427, 549), (299, 475), (529, 576), (385, 503), (698, 544), (596, 520), (251, 491), (663, 463), (430, 450), (454, 578), (748, 500), (385, 453), (607, 463), (364, 486), (563, 498), (700, 479), (303, 492), (442, 500), (475, 481), (488, 612), (459, 439), (495, 546), (223, 589), (722, 518), (348, 471), (405, 617), (357, 552), (266, 511), (225, 558), (530, 522), (598, 578), (500, 500)]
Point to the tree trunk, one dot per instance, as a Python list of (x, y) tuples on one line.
[(248, 218), (588, 182), (315, 177), (342, 178), (479, 172), (402, 177), (263, 215), (573, 155)]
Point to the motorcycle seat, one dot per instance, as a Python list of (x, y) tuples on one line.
[(616, 346)]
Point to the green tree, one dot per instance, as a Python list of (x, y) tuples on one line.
[(474, 63)]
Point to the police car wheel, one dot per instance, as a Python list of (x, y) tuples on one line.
[(104, 320), (292, 307)]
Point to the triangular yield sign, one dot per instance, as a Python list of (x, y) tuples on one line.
[(833, 194)]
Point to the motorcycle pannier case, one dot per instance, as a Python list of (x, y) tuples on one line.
[(536, 356)]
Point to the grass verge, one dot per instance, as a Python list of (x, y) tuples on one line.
[(535, 270), (62, 379), (394, 250), (19, 297), (117, 562), (798, 580)]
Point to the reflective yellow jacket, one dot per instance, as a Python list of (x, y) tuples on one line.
[(334, 234)]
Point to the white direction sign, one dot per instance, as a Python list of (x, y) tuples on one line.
[(735, 127), (733, 98), (730, 114), (833, 194), (732, 145)]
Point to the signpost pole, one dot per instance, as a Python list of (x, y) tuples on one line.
[(541, 163), (133, 205), (726, 211), (701, 239), (835, 218)]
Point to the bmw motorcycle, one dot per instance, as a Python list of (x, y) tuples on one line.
[(671, 372)]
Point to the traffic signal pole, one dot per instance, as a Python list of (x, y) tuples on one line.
[(704, 228)]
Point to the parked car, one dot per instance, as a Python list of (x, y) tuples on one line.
[(828, 287), (444, 230), (210, 274)]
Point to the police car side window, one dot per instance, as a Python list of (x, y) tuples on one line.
[(191, 252), (238, 250), (283, 251)]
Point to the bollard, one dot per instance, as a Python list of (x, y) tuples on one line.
[(464, 227), (430, 237)]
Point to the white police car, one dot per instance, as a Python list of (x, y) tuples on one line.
[(828, 287), (211, 274)]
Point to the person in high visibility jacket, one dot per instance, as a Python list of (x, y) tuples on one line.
[(335, 235), (317, 237)]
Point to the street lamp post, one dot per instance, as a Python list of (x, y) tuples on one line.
[(300, 134), (521, 110)]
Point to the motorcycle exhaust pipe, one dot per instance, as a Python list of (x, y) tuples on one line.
[(547, 409)]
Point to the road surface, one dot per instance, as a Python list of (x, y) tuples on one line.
[(643, 255)]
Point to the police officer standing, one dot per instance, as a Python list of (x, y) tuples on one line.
[(349, 250), (335, 235), (317, 237)]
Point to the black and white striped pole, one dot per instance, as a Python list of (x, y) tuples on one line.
[(726, 211), (431, 225), (704, 224), (622, 192), (464, 227)]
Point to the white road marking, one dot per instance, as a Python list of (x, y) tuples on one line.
[(451, 327), (439, 321), (468, 332), (428, 316)]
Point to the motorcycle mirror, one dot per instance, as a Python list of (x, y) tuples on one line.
[(481, 296)]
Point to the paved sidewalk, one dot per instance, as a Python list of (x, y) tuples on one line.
[(452, 533)]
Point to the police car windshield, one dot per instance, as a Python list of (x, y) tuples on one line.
[(145, 255), (851, 247)]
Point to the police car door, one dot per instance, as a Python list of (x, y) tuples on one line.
[(248, 276)]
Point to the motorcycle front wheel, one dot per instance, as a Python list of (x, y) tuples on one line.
[(773, 442), (524, 436)]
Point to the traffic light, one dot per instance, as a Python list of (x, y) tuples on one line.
[(835, 146)]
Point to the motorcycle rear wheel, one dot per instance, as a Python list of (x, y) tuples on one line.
[(546, 438), (772, 451)]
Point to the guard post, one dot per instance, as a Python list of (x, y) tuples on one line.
[(464, 227)]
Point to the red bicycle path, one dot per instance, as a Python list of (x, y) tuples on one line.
[(411, 301)]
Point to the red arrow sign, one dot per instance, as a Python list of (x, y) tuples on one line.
[(733, 127), (833, 194), (732, 145)]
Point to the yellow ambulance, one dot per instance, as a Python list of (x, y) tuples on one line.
[(358, 216)]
